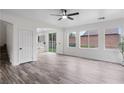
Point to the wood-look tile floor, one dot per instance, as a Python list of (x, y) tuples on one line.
[(58, 69)]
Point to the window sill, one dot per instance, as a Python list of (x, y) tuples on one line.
[(71, 47), (88, 48)]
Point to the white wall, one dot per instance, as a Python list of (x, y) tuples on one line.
[(2, 33), (111, 55), (10, 42)]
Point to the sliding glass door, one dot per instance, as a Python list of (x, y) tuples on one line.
[(52, 42)]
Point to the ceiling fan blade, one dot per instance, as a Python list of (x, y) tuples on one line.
[(72, 14), (59, 19), (70, 18), (55, 15)]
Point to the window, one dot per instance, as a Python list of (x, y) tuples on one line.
[(72, 39), (112, 38), (84, 39), (89, 39), (93, 39)]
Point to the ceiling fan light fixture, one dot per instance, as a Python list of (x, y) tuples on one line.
[(64, 17)]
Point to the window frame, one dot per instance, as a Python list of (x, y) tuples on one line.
[(88, 40), (75, 39), (110, 49)]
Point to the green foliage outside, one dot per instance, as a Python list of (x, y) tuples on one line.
[(121, 46), (72, 45), (86, 46), (52, 50)]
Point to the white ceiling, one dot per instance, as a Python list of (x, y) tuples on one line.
[(85, 16)]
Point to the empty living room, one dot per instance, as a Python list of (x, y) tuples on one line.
[(61, 46)]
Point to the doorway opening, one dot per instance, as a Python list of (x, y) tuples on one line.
[(6, 31), (52, 42), (41, 42)]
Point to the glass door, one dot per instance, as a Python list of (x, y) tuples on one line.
[(52, 42)]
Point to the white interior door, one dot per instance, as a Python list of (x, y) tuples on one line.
[(25, 46)]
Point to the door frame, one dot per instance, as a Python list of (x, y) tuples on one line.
[(52, 41), (44, 34)]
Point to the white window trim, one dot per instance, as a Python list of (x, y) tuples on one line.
[(88, 42)]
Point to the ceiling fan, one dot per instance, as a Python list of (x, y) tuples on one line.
[(64, 15)]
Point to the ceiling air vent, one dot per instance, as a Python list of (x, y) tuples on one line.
[(101, 18)]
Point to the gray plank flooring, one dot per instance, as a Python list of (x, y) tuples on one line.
[(59, 69)]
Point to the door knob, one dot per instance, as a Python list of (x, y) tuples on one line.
[(20, 48), (44, 43)]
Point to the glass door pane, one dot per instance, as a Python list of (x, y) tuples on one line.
[(52, 42)]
